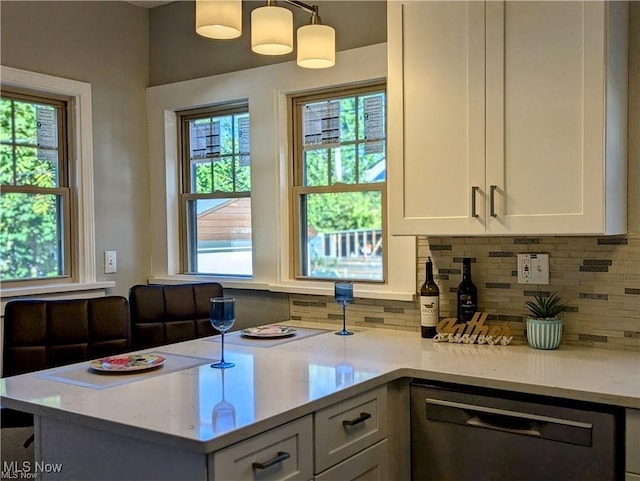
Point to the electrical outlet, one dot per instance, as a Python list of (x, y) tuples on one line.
[(110, 262), (533, 268), (526, 268)]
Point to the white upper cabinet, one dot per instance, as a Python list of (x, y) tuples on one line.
[(507, 117)]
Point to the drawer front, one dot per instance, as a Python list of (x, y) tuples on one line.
[(283, 453), (633, 441), (350, 426), (372, 464)]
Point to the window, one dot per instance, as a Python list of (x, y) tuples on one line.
[(35, 199), (339, 184), (269, 92), (77, 225), (216, 191)]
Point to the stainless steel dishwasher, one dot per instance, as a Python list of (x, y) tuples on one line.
[(464, 434)]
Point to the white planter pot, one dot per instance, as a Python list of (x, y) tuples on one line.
[(544, 333)]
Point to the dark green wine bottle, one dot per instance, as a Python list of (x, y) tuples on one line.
[(467, 293)]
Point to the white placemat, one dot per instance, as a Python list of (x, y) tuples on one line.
[(237, 338), (83, 375)]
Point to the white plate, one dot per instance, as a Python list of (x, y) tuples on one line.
[(269, 331), (127, 363)]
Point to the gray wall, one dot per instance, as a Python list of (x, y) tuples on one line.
[(178, 53), (105, 44), (121, 49)]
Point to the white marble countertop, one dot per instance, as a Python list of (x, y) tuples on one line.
[(272, 385)]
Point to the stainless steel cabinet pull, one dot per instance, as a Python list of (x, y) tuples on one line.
[(360, 419), (278, 459), (474, 191), (493, 200)]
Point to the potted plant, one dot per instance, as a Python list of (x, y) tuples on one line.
[(544, 328)]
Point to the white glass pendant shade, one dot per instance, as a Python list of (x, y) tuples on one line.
[(316, 46), (219, 19), (271, 30)]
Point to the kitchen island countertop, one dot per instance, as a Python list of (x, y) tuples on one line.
[(274, 383)]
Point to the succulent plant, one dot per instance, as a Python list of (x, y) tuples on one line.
[(545, 307)]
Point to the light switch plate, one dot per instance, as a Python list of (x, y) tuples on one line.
[(533, 268), (110, 262)]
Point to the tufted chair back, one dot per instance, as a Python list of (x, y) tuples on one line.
[(40, 334), (164, 314)]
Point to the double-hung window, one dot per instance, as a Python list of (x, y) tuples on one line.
[(339, 184), (36, 196), (216, 191)]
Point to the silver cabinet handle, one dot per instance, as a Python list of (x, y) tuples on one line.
[(474, 191), (493, 200)]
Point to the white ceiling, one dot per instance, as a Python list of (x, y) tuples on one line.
[(148, 3)]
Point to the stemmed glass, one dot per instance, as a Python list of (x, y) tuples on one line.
[(223, 315), (344, 297), (223, 416)]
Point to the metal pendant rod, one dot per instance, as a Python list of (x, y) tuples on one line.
[(307, 8)]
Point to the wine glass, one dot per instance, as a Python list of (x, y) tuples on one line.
[(223, 315), (344, 297), (223, 416)]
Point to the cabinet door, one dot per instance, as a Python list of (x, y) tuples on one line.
[(347, 427), (283, 453), (368, 465), (546, 119), (436, 117)]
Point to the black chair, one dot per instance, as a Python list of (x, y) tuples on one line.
[(164, 314), (41, 334)]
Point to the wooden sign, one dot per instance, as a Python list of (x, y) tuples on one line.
[(474, 331)]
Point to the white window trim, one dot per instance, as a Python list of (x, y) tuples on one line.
[(80, 93), (266, 89)]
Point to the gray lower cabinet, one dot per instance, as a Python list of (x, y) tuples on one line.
[(346, 440), (632, 445), (346, 428), (372, 464), (282, 453)]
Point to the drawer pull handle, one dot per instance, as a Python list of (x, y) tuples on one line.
[(278, 459), (360, 419)]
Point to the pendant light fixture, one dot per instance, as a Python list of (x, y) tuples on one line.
[(219, 19), (271, 30), (316, 44)]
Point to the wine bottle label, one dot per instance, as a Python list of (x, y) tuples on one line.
[(429, 310), (467, 307)]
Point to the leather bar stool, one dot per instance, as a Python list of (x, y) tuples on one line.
[(41, 334), (164, 314)]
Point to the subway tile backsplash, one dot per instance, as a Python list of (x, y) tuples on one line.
[(598, 276)]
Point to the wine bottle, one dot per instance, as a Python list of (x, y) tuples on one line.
[(467, 293), (429, 303)]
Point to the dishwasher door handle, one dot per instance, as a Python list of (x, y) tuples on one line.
[(513, 422), (479, 422)]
